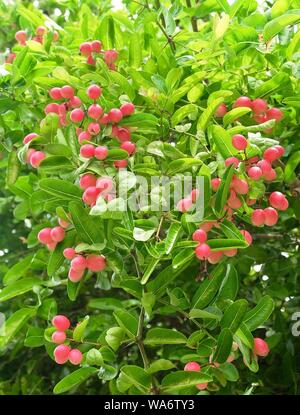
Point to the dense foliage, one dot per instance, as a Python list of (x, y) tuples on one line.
[(155, 305)]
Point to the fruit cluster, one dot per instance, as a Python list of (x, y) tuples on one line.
[(21, 36), (93, 49), (96, 187), (51, 236), (81, 262)]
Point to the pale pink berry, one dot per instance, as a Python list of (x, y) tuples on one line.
[(194, 195), (75, 102), (55, 93), (96, 46), (61, 323), (128, 146), (29, 154), (271, 216), (94, 128), (67, 92), (61, 354), (59, 337), (87, 151), (200, 236), (75, 276), (230, 252), (215, 257), (85, 48), (44, 236), (207, 226), (63, 223), (239, 142), (105, 183), (271, 175), (232, 160), (260, 118), (57, 234), (221, 111), (274, 114), (29, 137), (69, 253), (202, 251), (258, 217), (36, 158), (90, 195), (240, 186), (84, 136), (127, 109), (278, 201), (95, 263), (87, 180), (255, 173), (115, 115), (52, 246), (234, 202), (243, 102), (95, 111), (215, 183), (247, 236), (192, 367), (265, 166), (101, 152), (94, 92), (261, 347), (251, 202), (21, 36), (52, 107), (79, 263), (77, 115), (120, 164), (184, 205), (75, 357), (259, 106), (271, 154)]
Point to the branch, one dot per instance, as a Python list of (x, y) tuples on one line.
[(193, 18)]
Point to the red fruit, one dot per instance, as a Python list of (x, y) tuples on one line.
[(215, 257), (270, 176), (261, 347), (110, 56), (59, 337), (192, 367), (57, 234), (184, 205), (115, 115), (240, 186), (90, 60), (79, 263), (120, 164), (194, 195), (123, 134), (94, 92), (200, 236), (21, 36), (90, 195), (105, 183), (44, 236), (96, 263), (75, 276), (69, 253), (101, 152), (75, 102), (75, 357), (202, 386), (10, 57), (93, 128), (265, 166), (259, 106), (29, 137), (67, 92), (278, 201), (127, 109), (52, 107), (247, 236), (85, 48), (233, 201), (36, 158), (207, 226), (251, 202), (84, 136), (255, 173), (274, 114), (221, 111), (87, 180), (77, 115), (51, 246), (61, 354), (63, 223), (55, 93), (232, 160), (104, 119), (40, 31), (271, 154), (95, 111), (55, 36), (230, 252), (271, 216), (61, 323), (128, 146), (202, 251), (258, 217), (239, 142), (280, 150), (87, 151), (243, 102), (215, 183), (260, 118), (96, 46), (29, 154)]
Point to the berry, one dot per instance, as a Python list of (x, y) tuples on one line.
[(123, 134), (251, 202), (52, 107), (55, 36), (215, 257), (90, 60), (61, 354), (61, 323), (55, 93), (51, 246), (184, 205), (96, 46), (93, 128), (67, 92), (280, 150), (75, 357), (40, 31), (200, 236), (95, 111), (110, 56), (232, 160), (128, 146), (101, 152), (260, 118), (194, 195), (202, 251), (271, 216), (265, 166), (84, 136), (95, 263), (127, 109), (278, 201), (94, 92), (75, 276), (79, 263), (207, 226), (44, 236), (255, 173), (115, 115), (192, 367), (270, 175), (87, 180), (221, 111), (258, 217), (261, 347), (75, 102), (274, 114), (77, 115), (87, 151), (243, 102), (233, 201), (105, 183), (85, 48), (29, 154), (247, 236), (215, 183), (57, 234), (29, 137), (120, 164), (240, 186), (239, 142), (259, 106), (90, 195), (36, 158), (69, 253), (104, 119), (21, 36), (230, 252), (271, 154), (59, 337), (202, 386)]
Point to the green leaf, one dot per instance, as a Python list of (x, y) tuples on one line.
[(172, 236), (34, 337), (164, 336), (61, 189), (208, 288), (229, 371), (223, 190), (13, 168), (245, 335), (18, 270), (230, 284), (49, 126), (177, 381), (222, 140), (234, 315), (224, 244), (74, 379), (224, 345), (183, 257), (276, 25), (116, 154), (235, 114), (89, 228), (78, 333), (143, 235), (54, 164), (278, 81), (135, 51), (18, 288), (260, 313), (181, 165), (291, 165), (56, 257), (230, 230), (14, 323), (148, 271), (209, 313), (182, 113), (114, 337), (127, 321), (208, 113), (160, 365), (132, 375)]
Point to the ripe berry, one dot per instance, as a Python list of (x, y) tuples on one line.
[(127, 109), (52, 107), (40, 31), (221, 111), (29, 154), (274, 114), (84, 136), (96, 46), (104, 119), (75, 276), (202, 386), (93, 128), (239, 142), (261, 118), (85, 48), (194, 195), (261, 347), (278, 201), (51, 246), (61, 354), (120, 164), (207, 226), (36, 158), (247, 236), (240, 186), (258, 217), (232, 160), (251, 202), (21, 36), (255, 173), (128, 146), (94, 92), (57, 234), (59, 337), (95, 263), (200, 236), (259, 106), (101, 152), (44, 236), (271, 154), (55, 36), (215, 183), (243, 102), (55, 93), (192, 367), (61, 323), (271, 216), (233, 201), (90, 195), (265, 166), (115, 115), (75, 102), (110, 56), (87, 180), (184, 205), (105, 183), (79, 263), (29, 137), (280, 150), (75, 357), (271, 175), (77, 115), (230, 252), (202, 251), (87, 151), (95, 111), (215, 257), (69, 253), (67, 92), (90, 60)]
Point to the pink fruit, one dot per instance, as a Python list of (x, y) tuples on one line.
[(52, 246), (40, 31), (75, 357), (75, 276), (274, 114), (123, 134), (61, 323), (234, 202), (55, 36), (240, 186), (259, 106), (202, 386), (271, 175), (200, 236), (271, 216), (280, 150), (265, 166), (93, 128), (87, 151), (110, 56), (192, 367), (127, 109), (260, 118), (67, 92), (77, 115), (95, 111), (90, 60), (55, 93), (194, 195), (251, 202), (215, 183), (87, 180), (104, 119), (128, 146), (258, 217), (69, 253), (207, 226), (94, 92), (261, 347), (115, 115), (59, 337), (184, 205), (239, 142), (230, 252), (36, 158), (29, 137), (29, 154), (44, 236), (120, 164), (57, 234), (84, 136), (278, 201), (202, 251), (75, 102), (21, 36), (247, 236), (271, 154), (96, 46), (232, 160), (255, 173), (221, 111), (90, 195), (52, 107), (61, 354), (95, 263), (101, 152), (79, 263), (85, 48), (243, 102), (105, 183), (215, 257)]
